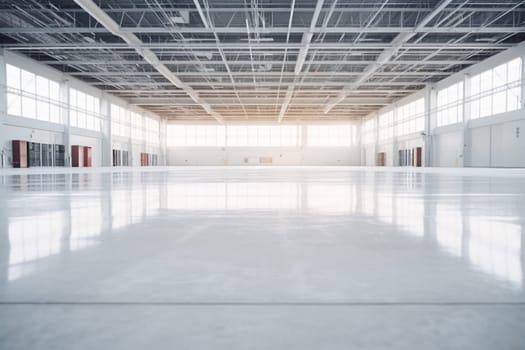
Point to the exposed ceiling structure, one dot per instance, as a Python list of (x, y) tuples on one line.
[(250, 60)]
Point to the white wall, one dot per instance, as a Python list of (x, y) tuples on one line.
[(492, 141), (280, 156), (19, 128), (508, 144), (448, 149), (480, 144)]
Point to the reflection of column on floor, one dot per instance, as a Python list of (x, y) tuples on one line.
[(303, 192), (106, 205), (4, 237), (65, 240), (429, 224), (163, 195)]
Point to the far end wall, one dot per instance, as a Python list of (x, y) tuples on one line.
[(264, 156)]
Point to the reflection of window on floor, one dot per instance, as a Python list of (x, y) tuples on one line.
[(86, 222), (449, 228), (495, 248), (367, 202), (120, 208), (384, 207), (34, 237), (331, 198), (137, 205), (410, 214), (152, 201), (233, 196)]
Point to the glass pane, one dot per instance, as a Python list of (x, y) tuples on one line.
[(13, 77), (513, 98), (28, 107), (475, 85), (28, 82), (54, 93), (499, 102), (42, 87), (474, 109), (14, 104), (514, 70), (54, 113), (499, 76), (43, 110), (485, 106), (486, 81)]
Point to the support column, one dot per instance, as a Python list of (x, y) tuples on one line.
[(376, 139), (3, 112), (395, 146), (430, 117), (163, 142), (106, 152), (467, 149), (66, 118)]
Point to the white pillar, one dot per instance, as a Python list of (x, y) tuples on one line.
[(3, 112), (66, 118), (430, 123), (106, 152), (467, 149)]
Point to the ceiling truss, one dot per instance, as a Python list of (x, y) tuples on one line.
[(271, 60)]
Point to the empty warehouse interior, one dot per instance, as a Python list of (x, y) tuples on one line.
[(262, 174)]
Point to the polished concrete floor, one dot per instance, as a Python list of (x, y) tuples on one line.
[(262, 258)]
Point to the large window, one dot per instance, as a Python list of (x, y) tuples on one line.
[(369, 131), (411, 117), (120, 121), (496, 90), (331, 135), (263, 135), (386, 126), (233, 135), (450, 105), (32, 96), (137, 127), (84, 110), (152, 131), (196, 135)]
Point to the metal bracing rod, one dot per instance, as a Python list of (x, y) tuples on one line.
[(244, 62), (268, 30), (285, 56), (209, 25), (385, 56), (262, 84), (313, 101), (257, 46), (133, 41), (258, 74), (301, 57), (352, 9)]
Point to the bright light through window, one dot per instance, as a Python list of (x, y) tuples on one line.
[(340, 135), (450, 104), (496, 90), (410, 117), (386, 126), (32, 96), (181, 135), (84, 110)]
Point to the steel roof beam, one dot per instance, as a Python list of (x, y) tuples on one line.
[(90, 7)]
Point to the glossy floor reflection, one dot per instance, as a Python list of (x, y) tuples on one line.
[(262, 258)]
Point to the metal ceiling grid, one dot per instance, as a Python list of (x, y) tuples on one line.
[(267, 60)]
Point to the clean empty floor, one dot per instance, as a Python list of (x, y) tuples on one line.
[(262, 258)]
